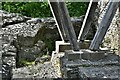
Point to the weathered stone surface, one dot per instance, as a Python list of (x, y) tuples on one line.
[(84, 54), (6, 71), (10, 61), (10, 19), (27, 38), (101, 73), (92, 55), (39, 71), (31, 52), (75, 68), (70, 55), (9, 55), (30, 30), (42, 59), (0, 54)]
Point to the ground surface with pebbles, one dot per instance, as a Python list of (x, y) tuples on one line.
[(50, 69), (45, 70)]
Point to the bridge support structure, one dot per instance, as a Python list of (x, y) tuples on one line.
[(91, 63), (104, 25), (62, 17)]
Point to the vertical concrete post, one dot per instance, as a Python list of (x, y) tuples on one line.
[(66, 22), (104, 25)]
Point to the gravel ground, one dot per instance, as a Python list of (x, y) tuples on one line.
[(50, 69), (45, 70)]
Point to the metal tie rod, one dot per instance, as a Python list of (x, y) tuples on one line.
[(65, 21), (104, 25)]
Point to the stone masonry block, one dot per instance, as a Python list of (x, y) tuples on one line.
[(84, 54)]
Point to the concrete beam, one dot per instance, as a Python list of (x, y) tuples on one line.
[(66, 22), (85, 55), (104, 25), (61, 46), (56, 11), (87, 21)]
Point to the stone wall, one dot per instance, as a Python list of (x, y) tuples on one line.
[(24, 39)]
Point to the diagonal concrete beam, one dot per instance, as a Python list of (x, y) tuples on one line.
[(88, 20), (104, 25), (55, 8), (64, 21)]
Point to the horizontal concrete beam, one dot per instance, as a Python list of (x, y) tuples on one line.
[(84, 54), (61, 46)]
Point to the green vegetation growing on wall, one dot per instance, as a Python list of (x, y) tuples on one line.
[(42, 9)]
